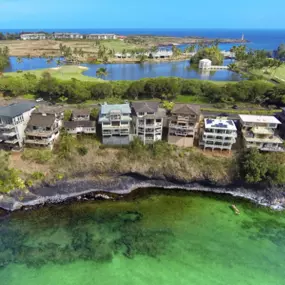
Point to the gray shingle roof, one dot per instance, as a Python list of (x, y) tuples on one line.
[(186, 109), (40, 120), (76, 124), (145, 107), (80, 112), (15, 110)]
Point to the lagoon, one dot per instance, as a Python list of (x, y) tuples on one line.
[(149, 237), (131, 71)]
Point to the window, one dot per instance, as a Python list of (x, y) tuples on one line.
[(141, 114)]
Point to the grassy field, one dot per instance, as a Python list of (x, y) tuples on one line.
[(278, 74), (64, 73)]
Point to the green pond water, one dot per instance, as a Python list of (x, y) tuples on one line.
[(158, 237)]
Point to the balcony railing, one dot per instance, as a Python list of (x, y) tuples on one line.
[(12, 141), (41, 133), (174, 126), (39, 142), (6, 126)]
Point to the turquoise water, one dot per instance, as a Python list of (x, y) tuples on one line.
[(160, 237)]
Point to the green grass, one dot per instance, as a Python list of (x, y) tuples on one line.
[(29, 97), (268, 73), (65, 72), (191, 99), (118, 45)]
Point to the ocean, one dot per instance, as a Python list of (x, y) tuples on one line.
[(150, 237), (259, 39)]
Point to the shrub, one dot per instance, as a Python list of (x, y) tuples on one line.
[(82, 150), (40, 156)]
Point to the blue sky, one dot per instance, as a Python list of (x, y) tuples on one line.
[(142, 14)]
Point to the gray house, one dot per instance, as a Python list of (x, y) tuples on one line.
[(115, 120), (13, 122), (80, 123), (148, 121)]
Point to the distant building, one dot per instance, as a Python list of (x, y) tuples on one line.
[(148, 121), (205, 63), (115, 120), (42, 130), (80, 123), (13, 122), (101, 37), (259, 132), (183, 124), (219, 133), (33, 36), (59, 36)]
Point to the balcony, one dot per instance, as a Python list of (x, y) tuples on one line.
[(6, 126), (214, 134), (272, 148), (8, 134), (12, 141), (155, 125), (38, 142), (181, 127), (41, 133)]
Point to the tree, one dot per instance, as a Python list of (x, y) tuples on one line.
[(136, 89), (101, 91), (212, 53), (101, 72), (67, 115), (253, 166), (19, 60), (176, 51)]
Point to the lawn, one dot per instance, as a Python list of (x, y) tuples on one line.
[(119, 45), (191, 99), (64, 73), (279, 73)]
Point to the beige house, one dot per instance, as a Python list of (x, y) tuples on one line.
[(42, 130), (101, 37), (259, 132), (183, 124), (33, 36)]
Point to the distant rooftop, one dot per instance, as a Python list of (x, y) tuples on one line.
[(81, 112), (41, 120), (220, 123), (186, 109), (259, 119), (15, 110), (123, 108)]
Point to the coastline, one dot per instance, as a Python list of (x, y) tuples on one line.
[(106, 187)]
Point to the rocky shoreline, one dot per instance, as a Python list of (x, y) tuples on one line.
[(83, 188)]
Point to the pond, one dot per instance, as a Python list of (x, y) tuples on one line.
[(131, 71)]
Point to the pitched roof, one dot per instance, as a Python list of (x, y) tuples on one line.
[(186, 109), (15, 110), (145, 107), (78, 124), (41, 120), (80, 112), (123, 108)]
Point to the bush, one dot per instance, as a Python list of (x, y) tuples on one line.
[(40, 156), (82, 150), (38, 175)]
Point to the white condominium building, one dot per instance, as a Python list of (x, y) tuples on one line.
[(259, 132), (219, 133)]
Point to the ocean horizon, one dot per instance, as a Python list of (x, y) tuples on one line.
[(268, 39)]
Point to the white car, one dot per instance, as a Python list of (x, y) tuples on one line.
[(39, 100)]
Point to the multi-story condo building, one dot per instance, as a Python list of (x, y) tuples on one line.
[(101, 37), (115, 121), (184, 124), (80, 123), (13, 122), (219, 133), (33, 36), (42, 130), (148, 121), (259, 132), (67, 36)]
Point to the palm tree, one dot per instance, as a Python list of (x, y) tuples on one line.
[(101, 72)]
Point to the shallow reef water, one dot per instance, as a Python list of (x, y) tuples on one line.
[(154, 236)]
